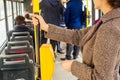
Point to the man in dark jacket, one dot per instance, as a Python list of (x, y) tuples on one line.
[(73, 14), (20, 27), (51, 10)]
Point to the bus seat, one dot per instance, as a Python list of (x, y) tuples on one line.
[(21, 36), (16, 70), (29, 24), (20, 47)]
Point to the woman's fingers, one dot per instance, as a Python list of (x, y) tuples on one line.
[(34, 15), (39, 19), (35, 21)]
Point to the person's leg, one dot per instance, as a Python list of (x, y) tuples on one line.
[(76, 51), (59, 50), (69, 49), (43, 39), (58, 46), (53, 43)]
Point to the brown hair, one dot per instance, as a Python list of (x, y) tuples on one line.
[(27, 16), (19, 20), (114, 3)]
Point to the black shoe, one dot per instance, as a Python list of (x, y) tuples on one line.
[(62, 59), (60, 51), (74, 57), (65, 59)]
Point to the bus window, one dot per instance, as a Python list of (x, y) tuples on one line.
[(3, 35)]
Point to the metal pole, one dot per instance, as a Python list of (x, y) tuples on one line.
[(37, 38), (6, 18), (16, 8), (12, 11)]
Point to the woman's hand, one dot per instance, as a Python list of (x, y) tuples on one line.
[(43, 25), (67, 65)]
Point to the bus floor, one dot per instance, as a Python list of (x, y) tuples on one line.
[(59, 72)]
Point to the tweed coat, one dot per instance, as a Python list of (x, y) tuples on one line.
[(100, 45)]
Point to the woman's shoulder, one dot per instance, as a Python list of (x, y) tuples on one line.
[(113, 25), (110, 29)]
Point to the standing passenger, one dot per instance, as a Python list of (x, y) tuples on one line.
[(99, 44), (73, 15), (51, 10)]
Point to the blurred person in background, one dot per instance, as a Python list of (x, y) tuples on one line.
[(73, 14), (20, 26), (52, 12)]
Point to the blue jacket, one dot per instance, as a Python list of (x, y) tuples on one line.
[(73, 14)]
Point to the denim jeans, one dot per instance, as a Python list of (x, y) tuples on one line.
[(71, 48)]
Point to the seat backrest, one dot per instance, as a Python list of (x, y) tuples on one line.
[(13, 70), (29, 24), (20, 47), (20, 34), (22, 38)]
